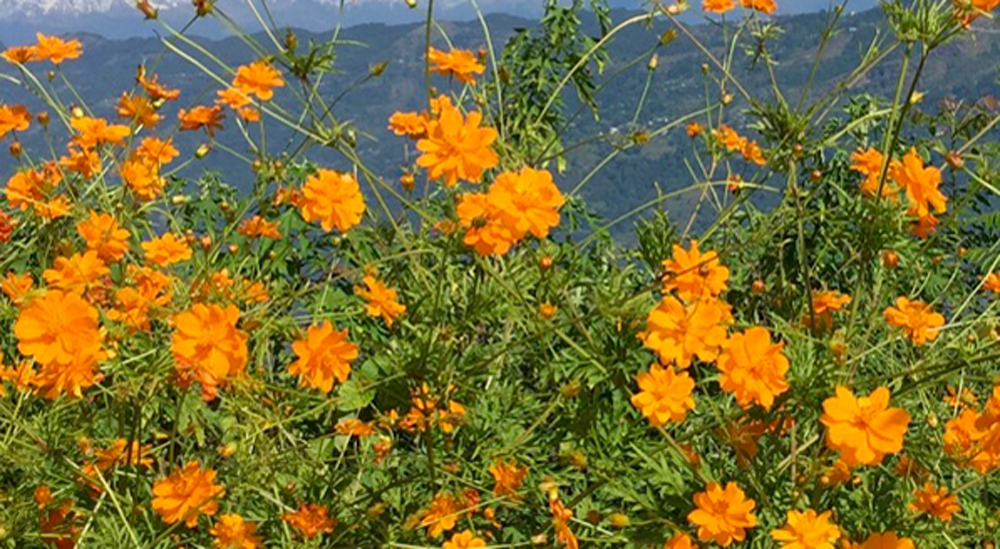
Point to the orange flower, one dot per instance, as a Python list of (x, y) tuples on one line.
[(753, 368), (258, 78), (208, 347), (752, 152), (678, 333), (888, 540), (201, 117), (121, 453), (233, 98), (16, 286), (156, 151), (665, 395), (969, 10), (924, 226), (507, 478), (456, 149), (58, 327), (679, 541), (55, 208), (382, 300), (807, 530), (694, 274), (409, 124), (936, 503), (992, 282), (19, 55), (138, 110), (464, 540), (767, 6), (77, 273), (442, 514), (152, 289), (717, 6), (82, 161), (956, 398), (722, 516), (868, 162), (69, 378), (921, 184), (823, 305), (837, 474), (334, 199), (232, 532), (352, 426), (920, 323), (311, 520), (13, 118), (560, 521), (863, 429), (962, 440), (257, 226), (694, 129), (726, 136), (461, 64), (187, 493), (104, 236), (485, 232), (526, 201), (166, 250), (55, 49), (155, 90), (324, 354), (92, 132), (143, 178)]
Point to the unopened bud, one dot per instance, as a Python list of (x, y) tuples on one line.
[(76, 112), (149, 11), (890, 259), (203, 151), (202, 7), (378, 68), (619, 520), (43, 118), (653, 61), (16, 149), (408, 182), (955, 160)]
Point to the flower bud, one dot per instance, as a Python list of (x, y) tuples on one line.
[(618, 520), (408, 182), (653, 62), (16, 149), (149, 11), (203, 151), (955, 160), (890, 259)]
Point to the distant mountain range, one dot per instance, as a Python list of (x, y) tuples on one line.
[(118, 19), (966, 69)]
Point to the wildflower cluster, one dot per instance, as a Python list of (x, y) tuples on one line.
[(321, 358)]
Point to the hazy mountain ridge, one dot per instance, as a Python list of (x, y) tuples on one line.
[(631, 179)]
